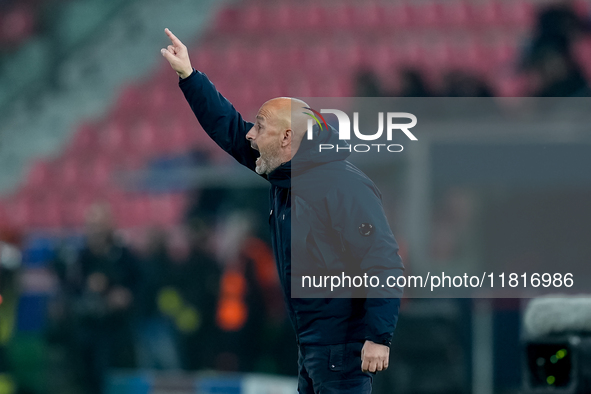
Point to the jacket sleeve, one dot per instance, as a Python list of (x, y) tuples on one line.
[(218, 118), (357, 214)]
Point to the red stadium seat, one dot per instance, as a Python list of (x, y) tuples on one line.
[(503, 52), (286, 17), (254, 19), (582, 53), (398, 16), (457, 14), (383, 57), (428, 14), (112, 137), (85, 139), (320, 56), (179, 136), (74, 206), (340, 16), (353, 56), (147, 139), (68, 172), (16, 25), (511, 86), (317, 19), (98, 173), (413, 53), (228, 20), (518, 13), (583, 8), (40, 175), (207, 58), (3, 215), (138, 210), (488, 13), (165, 210), (46, 210), (130, 99), (159, 98), (20, 211)]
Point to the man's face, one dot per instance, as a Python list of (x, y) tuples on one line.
[(265, 136)]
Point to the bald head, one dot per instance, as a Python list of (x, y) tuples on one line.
[(289, 113), (279, 129)]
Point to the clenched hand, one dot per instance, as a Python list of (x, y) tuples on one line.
[(177, 55), (374, 357)]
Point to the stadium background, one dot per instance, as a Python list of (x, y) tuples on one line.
[(95, 135)]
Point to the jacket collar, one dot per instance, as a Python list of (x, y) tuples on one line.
[(308, 156), (281, 176)]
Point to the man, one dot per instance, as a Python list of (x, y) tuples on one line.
[(342, 341), (102, 284)]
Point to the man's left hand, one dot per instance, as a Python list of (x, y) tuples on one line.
[(374, 357)]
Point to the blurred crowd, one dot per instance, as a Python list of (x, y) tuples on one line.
[(206, 297), (548, 64)]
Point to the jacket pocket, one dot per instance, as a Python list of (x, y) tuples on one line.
[(336, 357)]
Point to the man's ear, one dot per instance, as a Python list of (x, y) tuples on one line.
[(287, 137)]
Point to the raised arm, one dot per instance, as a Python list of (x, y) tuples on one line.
[(214, 112)]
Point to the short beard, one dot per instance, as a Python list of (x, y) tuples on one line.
[(269, 161)]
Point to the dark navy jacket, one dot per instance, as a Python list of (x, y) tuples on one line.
[(339, 199)]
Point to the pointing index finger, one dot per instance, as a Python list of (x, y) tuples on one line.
[(173, 38)]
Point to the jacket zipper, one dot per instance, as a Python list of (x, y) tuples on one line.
[(277, 202)]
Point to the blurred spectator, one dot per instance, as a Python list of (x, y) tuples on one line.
[(186, 293), (103, 281), (463, 84), (367, 84), (10, 261), (556, 28), (558, 75), (549, 57), (412, 84), (249, 298), (156, 337)]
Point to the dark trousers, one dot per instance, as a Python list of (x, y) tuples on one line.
[(332, 369)]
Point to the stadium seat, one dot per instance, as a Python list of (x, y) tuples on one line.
[(16, 25), (45, 210), (286, 17), (582, 53), (340, 16), (40, 175), (165, 210), (85, 139), (19, 211), (518, 14), (397, 16), (228, 20), (130, 101), (319, 56), (253, 18), (428, 14), (207, 58), (457, 14), (112, 137), (583, 8), (73, 207), (510, 86)]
